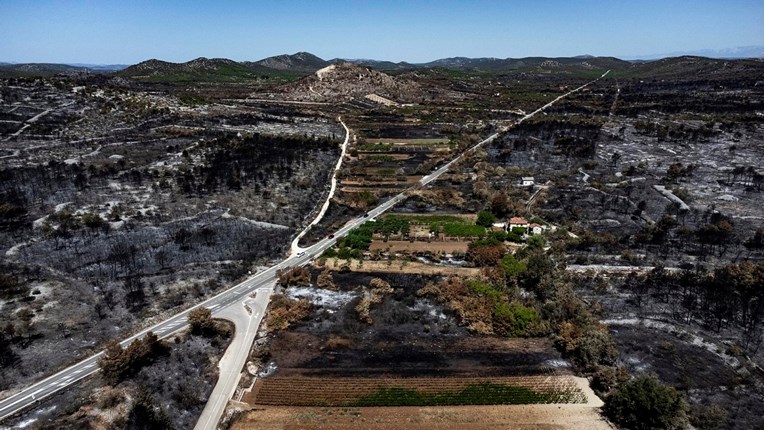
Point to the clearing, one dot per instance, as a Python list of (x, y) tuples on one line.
[(390, 266)]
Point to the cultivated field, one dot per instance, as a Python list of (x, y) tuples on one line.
[(333, 391), (538, 417), (450, 246), (390, 266)]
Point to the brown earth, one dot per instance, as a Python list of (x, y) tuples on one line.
[(396, 267), (374, 186), (393, 155), (450, 246), (536, 417), (432, 141)]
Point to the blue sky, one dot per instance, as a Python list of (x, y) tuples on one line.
[(416, 31)]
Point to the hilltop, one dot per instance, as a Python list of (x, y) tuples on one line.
[(300, 61), (347, 80), (281, 68), (200, 69)]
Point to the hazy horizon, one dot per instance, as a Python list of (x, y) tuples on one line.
[(111, 32)]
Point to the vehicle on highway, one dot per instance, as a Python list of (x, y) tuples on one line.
[(300, 254), (366, 214), (331, 236)]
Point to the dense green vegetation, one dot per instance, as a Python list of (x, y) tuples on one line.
[(486, 393), (381, 147), (644, 403), (450, 225), (379, 157), (464, 230), (360, 238), (509, 318), (485, 218)]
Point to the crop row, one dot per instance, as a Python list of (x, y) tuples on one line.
[(312, 391)]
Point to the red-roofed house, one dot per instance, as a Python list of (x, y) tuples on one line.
[(517, 222), (535, 228)]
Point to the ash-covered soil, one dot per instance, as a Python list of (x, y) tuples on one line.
[(408, 336)]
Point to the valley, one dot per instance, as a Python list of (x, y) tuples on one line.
[(505, 237)]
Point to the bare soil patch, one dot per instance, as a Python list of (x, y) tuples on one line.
[(537, 417), (419, 246), (409, 141), (397, 267)]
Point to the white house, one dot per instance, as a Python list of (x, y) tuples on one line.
[(535, 228), (527, 181), (517, 222)]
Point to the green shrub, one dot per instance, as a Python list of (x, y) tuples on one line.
[(513, 319), (644, 403), (512, 266), (485, 218), (484, 289), (519, 230)]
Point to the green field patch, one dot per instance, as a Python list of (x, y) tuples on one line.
[(379, 157), (376, 147), (450, 225), (486, 393), (423, 141), (386, 172)]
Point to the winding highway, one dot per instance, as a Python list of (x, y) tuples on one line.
[(260, 282)]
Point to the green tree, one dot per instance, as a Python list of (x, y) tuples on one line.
[(644, 403), (512, 266), (500, 204), (535, 242), (513, 319), (485, 218)]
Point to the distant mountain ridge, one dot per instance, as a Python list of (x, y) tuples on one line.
[(303, 63), (50, 69), (739, 52), (199, 69), (300, 61)]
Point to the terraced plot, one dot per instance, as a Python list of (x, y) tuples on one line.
[(452, 391)]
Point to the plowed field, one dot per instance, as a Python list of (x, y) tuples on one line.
[(339, 391)]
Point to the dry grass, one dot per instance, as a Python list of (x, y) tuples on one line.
[(397, 267), (449, 247)]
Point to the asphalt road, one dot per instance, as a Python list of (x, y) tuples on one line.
[(30, 395), (246, 317)]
